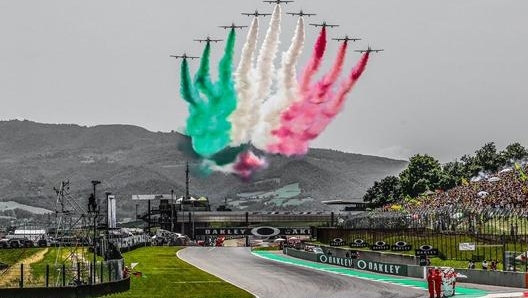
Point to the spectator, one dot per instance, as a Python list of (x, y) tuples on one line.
[(484, 265), (493, 266), (471, 265)]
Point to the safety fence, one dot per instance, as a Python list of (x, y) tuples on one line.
[(458, 233), (61, 275)]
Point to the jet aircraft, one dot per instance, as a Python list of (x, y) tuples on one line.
[(232, 26), (324, 24), (277, 1), (368, 50), (301, 13), (256, 14), (346, 39), (184, 56), (208, 39)]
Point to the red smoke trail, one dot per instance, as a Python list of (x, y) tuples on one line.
[(305, 120), (328, 80), (287, 129), (247, 164), (334, 106), (315, 61)]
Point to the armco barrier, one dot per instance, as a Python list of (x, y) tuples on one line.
[(69, 292)]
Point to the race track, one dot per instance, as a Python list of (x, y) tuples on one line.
[(267, 279)]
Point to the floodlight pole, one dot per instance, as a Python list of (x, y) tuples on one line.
[(96, 213), (172, 210)]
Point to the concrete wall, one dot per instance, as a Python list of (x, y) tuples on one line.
[(376, 256), (496, 278), (301, 254), (415, 271), (69, 292)]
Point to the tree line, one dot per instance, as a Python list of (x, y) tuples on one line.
[(425, 173)]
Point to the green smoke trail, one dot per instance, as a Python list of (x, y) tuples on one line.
[(186, 89), (226, 85), (202, 80), (207, 124)]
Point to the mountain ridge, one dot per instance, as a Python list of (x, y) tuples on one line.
[(129, 159)]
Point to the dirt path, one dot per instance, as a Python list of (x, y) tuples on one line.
[(11, 276)]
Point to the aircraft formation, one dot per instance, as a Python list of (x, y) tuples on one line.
[(259, 104), (301, 13)]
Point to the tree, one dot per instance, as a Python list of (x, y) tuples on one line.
[(452, 174), (471, 168), (388, 190), (514, 152), (423, 173), (488, 158)]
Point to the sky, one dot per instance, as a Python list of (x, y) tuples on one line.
[(452, 77)]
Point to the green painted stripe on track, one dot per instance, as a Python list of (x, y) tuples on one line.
[(460, 291)]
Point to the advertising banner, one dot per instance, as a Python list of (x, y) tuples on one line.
[(394, 269)]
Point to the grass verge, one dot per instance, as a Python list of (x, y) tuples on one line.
[(164, 275)]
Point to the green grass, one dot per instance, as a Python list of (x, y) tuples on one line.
[(164, 275), (11, 256), (67, 255)]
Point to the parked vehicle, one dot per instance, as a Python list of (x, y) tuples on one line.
[(43, 243), (27, 243), (15, 243), (4, 243)]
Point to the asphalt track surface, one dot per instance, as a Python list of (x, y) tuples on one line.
[(268, 279)]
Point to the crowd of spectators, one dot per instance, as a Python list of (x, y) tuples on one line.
[(501, 194)]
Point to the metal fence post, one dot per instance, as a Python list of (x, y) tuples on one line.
[(109, 272), (92, 273), (63, 275), (102, 270), (47, 275), (78, 273), (21, 276)]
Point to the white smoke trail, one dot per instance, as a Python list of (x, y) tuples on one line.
[(287, 87), (245, 88), (267, 54), (265, 71)]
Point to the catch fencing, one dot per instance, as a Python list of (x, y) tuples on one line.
[(62, 275), (496, 233)]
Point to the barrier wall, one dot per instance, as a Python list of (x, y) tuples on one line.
[(301, 254), (496, 278), (376, 256), (69, 292)]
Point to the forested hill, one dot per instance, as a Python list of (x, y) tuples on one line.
[(128, 160)]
